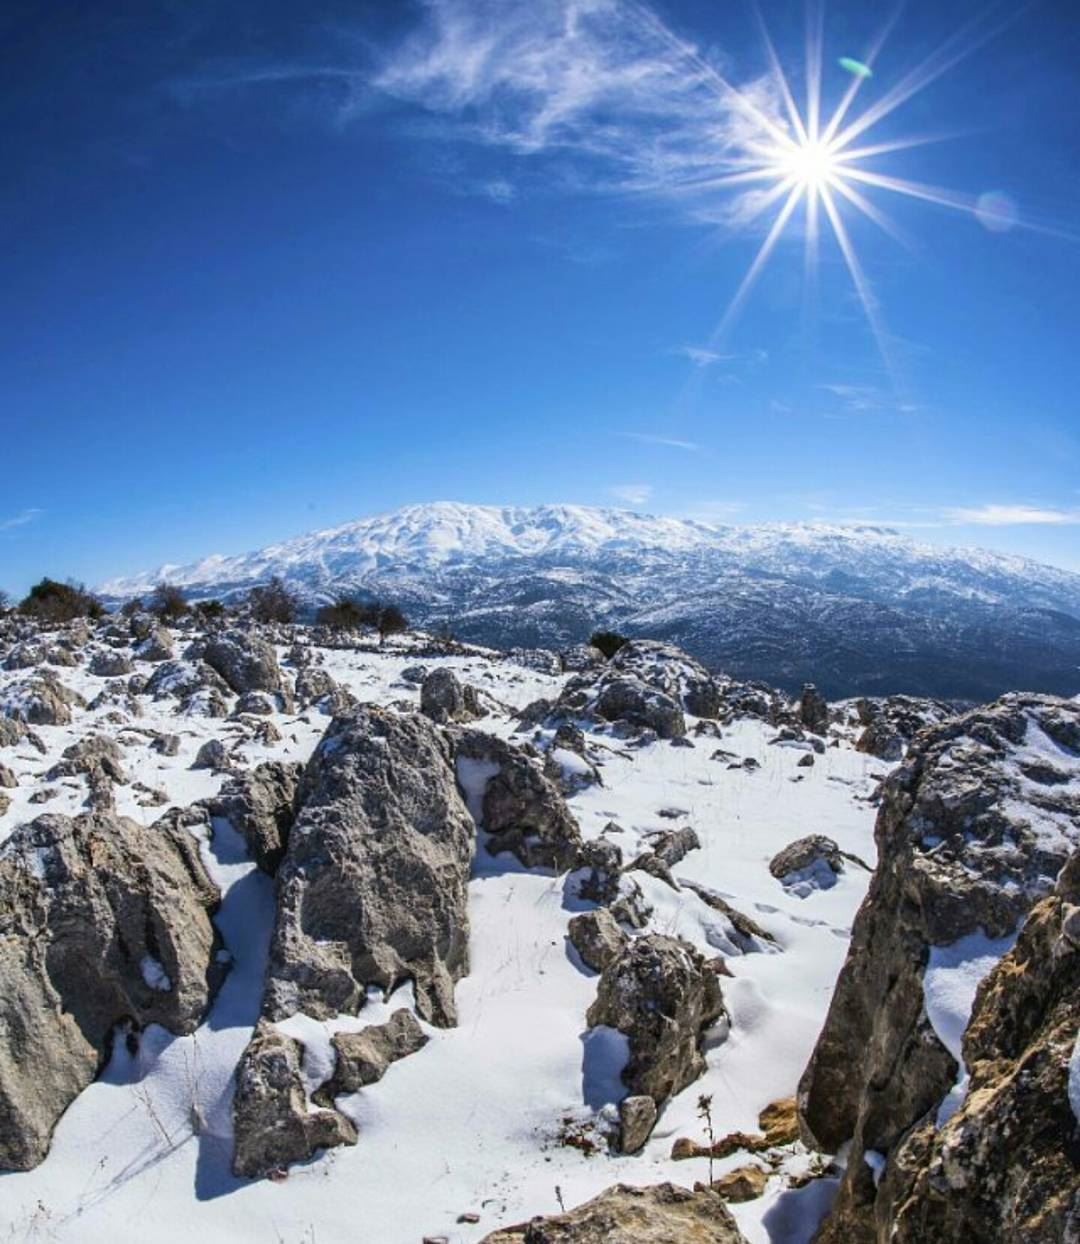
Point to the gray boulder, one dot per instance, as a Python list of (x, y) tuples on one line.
[(519, 807), (273, 1123), (110, 664), (361, 1058), (212, 755), (810, 863), (373, 886), (444, 698), (663, 996), (245, 661), (156, 646), (597, 937), (40, 701), (101, 922), (97, 757), (261, 805)]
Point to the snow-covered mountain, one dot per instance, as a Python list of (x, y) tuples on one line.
[(855, 608)]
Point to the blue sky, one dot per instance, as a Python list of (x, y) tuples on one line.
[(271, 267)]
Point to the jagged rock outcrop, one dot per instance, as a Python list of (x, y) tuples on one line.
[(889, 724), (372, 889), (518, 806), (261, 805), (972, 831), (624, 1214), (645, 686), (102, 921), (445, 698), (663, 996), (273, 1122), (1005, 1167)]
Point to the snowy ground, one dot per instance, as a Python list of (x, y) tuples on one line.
[(477, 1121)]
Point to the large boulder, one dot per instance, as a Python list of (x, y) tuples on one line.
[(183, 678), (245, 661), (444, 698), (40, 701), (373, 886), (520, 809), (1006, 1166), (662, 995), (260, 804), (669, 670), (972, 831), (810, 863), (890, 723), (813, 712), (273, 1122), (623, 1214), (97, 757), (102, 921)]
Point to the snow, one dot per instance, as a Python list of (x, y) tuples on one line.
[(1074, 1079), (154, 974), (479, 1119), (951, 978)]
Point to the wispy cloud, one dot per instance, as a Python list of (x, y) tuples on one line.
[(20, 519), (868, 398), (1012, 516), (700, 356), (631, 494), (614, 98), (672, 442), (499, 191)]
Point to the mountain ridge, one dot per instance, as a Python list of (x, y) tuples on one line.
[(858, 608)]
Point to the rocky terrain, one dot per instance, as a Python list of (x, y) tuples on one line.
[(308, 938), (855, 609)]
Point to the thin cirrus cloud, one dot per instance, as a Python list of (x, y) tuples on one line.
[(631, 494), (20, 519), (617, 99), (671, 442), (1013, 516)]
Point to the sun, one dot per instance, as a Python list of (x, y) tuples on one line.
[(810, 163), (801, 159)]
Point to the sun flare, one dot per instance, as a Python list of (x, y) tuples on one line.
[(824, 166)]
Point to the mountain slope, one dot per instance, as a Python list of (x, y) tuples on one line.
[(853, 608)]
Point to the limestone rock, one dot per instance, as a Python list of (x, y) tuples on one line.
[(972, 831), (637, 1118), (101, 921), (444, 698), (661, 1214), (662, 995), (363, 1057), (273, 1123), (372, 889), (40, 700), (521, 809), (212, 755), (110, 664), (156, 646), (245, 661), (596, 936), (744, 1183), (813, 710), (261, 805), (1006, 1165)]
